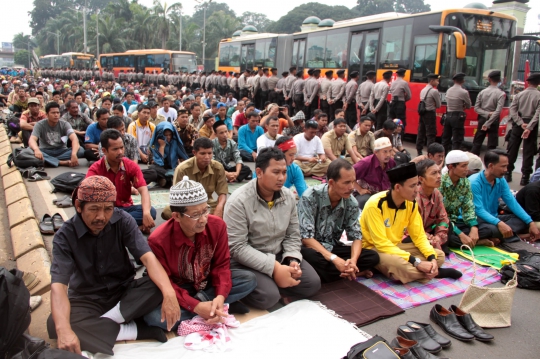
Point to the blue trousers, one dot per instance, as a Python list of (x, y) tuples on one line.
[(53, 156), (137, 212), (243, 283)]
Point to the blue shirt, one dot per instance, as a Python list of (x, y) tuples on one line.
[(486, 199), (93, 132), (127, 105), (295, 177), (228, 122), (247, 140)]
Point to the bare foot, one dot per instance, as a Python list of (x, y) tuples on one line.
[(144, 230), (64, 163), (134, 191), (485, 242), (365, 273)]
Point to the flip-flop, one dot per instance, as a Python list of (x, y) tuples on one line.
[(46, 225), (64, 203), (56, 200), (37, 177), (58, 221)]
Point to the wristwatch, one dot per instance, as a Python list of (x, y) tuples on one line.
[(417, 261), (332, 257)]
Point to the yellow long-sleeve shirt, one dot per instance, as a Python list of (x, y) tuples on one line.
[(383, 225)]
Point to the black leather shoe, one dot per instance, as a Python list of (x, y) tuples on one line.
[(414, 348), (404, 353), (420, 335), (447, 320), (468, 323), (443, 341), (508, 176), (524, 181)]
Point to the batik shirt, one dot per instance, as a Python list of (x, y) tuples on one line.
[(320, 221), (433, 214), (227, 154), (458, 201), (187, 135)]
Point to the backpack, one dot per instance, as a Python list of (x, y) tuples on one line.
[(24, 158), (14, 309), (528, 271), (422, 105), (67, 182)]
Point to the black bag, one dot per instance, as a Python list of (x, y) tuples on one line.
[(374, 348), (443, 119), (13, 123), (24, 158), (14, 309), (67, 182), (29, 347), (422, 105), (528, 271)]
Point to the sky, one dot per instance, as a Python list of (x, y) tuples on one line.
[(18, 18)]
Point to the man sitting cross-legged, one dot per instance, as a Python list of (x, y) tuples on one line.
[(264, 237), (383, 219), (226, 151), (104, 301), (324, 212), (50, 133), (125, 174), (192, 247)]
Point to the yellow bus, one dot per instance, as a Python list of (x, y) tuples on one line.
[(76, 60), (148, 61)]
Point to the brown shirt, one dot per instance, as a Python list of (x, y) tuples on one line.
[(337, 145), (364, 143)]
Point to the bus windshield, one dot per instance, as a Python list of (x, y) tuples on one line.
[(184, 63)]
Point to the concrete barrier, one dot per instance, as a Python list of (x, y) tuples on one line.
[(12, 179), (15, 193), (26, 237), (38, 325), (5, 169), (20, 212), (38, 262)]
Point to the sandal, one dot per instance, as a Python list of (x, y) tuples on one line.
[(64, 202), (46, 225), (37, 177), (56, 200), (58, 221)]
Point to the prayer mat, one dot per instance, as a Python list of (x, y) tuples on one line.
[(413, 294), (355, 302), (303, 329), (159, 199), (488, 256)]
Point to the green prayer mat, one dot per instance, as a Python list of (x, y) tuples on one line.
[(488, 256), (158, 199)]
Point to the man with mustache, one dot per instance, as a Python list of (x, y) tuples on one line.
[(264, 236), (125, 174), (104, 302), (324, 212)]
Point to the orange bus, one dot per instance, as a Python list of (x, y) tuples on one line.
[(148, 61), (473, 41), (76, 60)]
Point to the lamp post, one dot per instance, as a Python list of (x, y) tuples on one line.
[(180, 40), (57, 34), (97, 32), (205, 6), (84, 26)]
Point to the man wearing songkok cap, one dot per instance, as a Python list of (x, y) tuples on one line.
[(488, 106), (383, 219), (371, 171), (125, 174), (457, 101), (401, 93), (264, 236), (377, 99), (525, 112), (427, 125), (192, 247), (324, 212), (104, 302)]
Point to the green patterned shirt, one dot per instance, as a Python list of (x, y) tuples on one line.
[(458, 201)]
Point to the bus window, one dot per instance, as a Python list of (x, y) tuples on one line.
[(396, 42), (301, 51), (270, 60), (336, 51), (356, 42), (150, 61), (103, 62), (315, 51), (260, 47), (425, 55), (184, 62), (294, 53), (224, 50), (234, 54)]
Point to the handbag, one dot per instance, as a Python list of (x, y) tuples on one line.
[(422, 104), (374, 348), (489, 307)]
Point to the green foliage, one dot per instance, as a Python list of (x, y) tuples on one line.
[(372, 7), (21, 58), (260, 21)]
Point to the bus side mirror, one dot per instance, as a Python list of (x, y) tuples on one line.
[(461, 44)]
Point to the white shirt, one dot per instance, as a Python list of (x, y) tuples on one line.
[(233, 116), (169, 116), (307, 148), (264, 141)]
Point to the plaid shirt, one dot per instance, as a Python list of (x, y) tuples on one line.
[(228, 154), (433, 214)]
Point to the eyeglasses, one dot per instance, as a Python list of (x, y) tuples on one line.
[(196, 217)]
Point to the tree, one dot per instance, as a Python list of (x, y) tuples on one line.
[(411, 6), (372, 7), (212, 8), (120, 9), (260, 21), (159, 19), (21, 41), (219, 26), (21, 58), (113, 36), (45, 10)]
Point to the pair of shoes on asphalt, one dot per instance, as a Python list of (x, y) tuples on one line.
[(417, 340), (458, 324), (49, 225)]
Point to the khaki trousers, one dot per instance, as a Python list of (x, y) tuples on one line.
[(397, 268), (314, 169)]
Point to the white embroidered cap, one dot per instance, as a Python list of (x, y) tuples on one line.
[(187, 193)]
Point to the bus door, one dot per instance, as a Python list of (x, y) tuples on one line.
[(363, 52), (299, 49), (140, 63), (248, 57)]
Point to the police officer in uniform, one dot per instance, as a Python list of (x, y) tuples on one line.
[(377, 100), (297, 92), (427, 125), (349, 101), (401, 93), (280, 88), (263, 86), (311, 93), (335, 94), (272, 82), (457, 101), (525, 112), (488, 106), (325, 84), (288, 86), (364, 90)]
